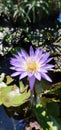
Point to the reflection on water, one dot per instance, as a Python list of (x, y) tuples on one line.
[(8, 123)]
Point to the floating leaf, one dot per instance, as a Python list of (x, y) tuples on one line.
[(1, 89), (0, 100), (2, 84), (8, 79), (11, 96)]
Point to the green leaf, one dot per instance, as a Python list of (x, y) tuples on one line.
[(47, 122), (55, 88), (0, 100), (53, 94), (53, 109), (2, 86), (8, 80), (11, 96), (22, 87), (40, 114), (53, 124)]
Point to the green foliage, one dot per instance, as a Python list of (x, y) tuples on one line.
[(10, 38), (52, 95), (30, 11), (47, 122), (12, 95), (54, 92), (51, 109)]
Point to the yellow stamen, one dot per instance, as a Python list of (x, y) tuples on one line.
[(31, 65)]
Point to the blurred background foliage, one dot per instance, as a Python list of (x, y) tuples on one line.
[(36, 22), (25, 22), (32, 11)]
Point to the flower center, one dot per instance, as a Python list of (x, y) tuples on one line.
[(31, 65)]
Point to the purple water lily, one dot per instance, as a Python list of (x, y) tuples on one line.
[(35, 65)]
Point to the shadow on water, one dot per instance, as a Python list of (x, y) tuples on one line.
[(9, 123)]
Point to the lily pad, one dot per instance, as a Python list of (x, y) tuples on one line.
[(11, 96), (0, 100)]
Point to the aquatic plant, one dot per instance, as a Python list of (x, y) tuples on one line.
[(35, 65)]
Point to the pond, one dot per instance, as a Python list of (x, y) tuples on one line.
[(9, 123)]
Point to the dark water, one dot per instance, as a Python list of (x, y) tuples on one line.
[(8, 123)]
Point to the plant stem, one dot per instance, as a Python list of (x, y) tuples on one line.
[(35, 96)]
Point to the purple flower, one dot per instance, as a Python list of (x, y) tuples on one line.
[(35, 65)]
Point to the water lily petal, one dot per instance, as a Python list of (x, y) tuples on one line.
[(19, 54), (15, 74), (38, 53), (31, 51), (45, 57), (12, 68), (48, 60), (24, 74), (45, 76), (24, 54), (43, 70), (49, 67), (37, 76)]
